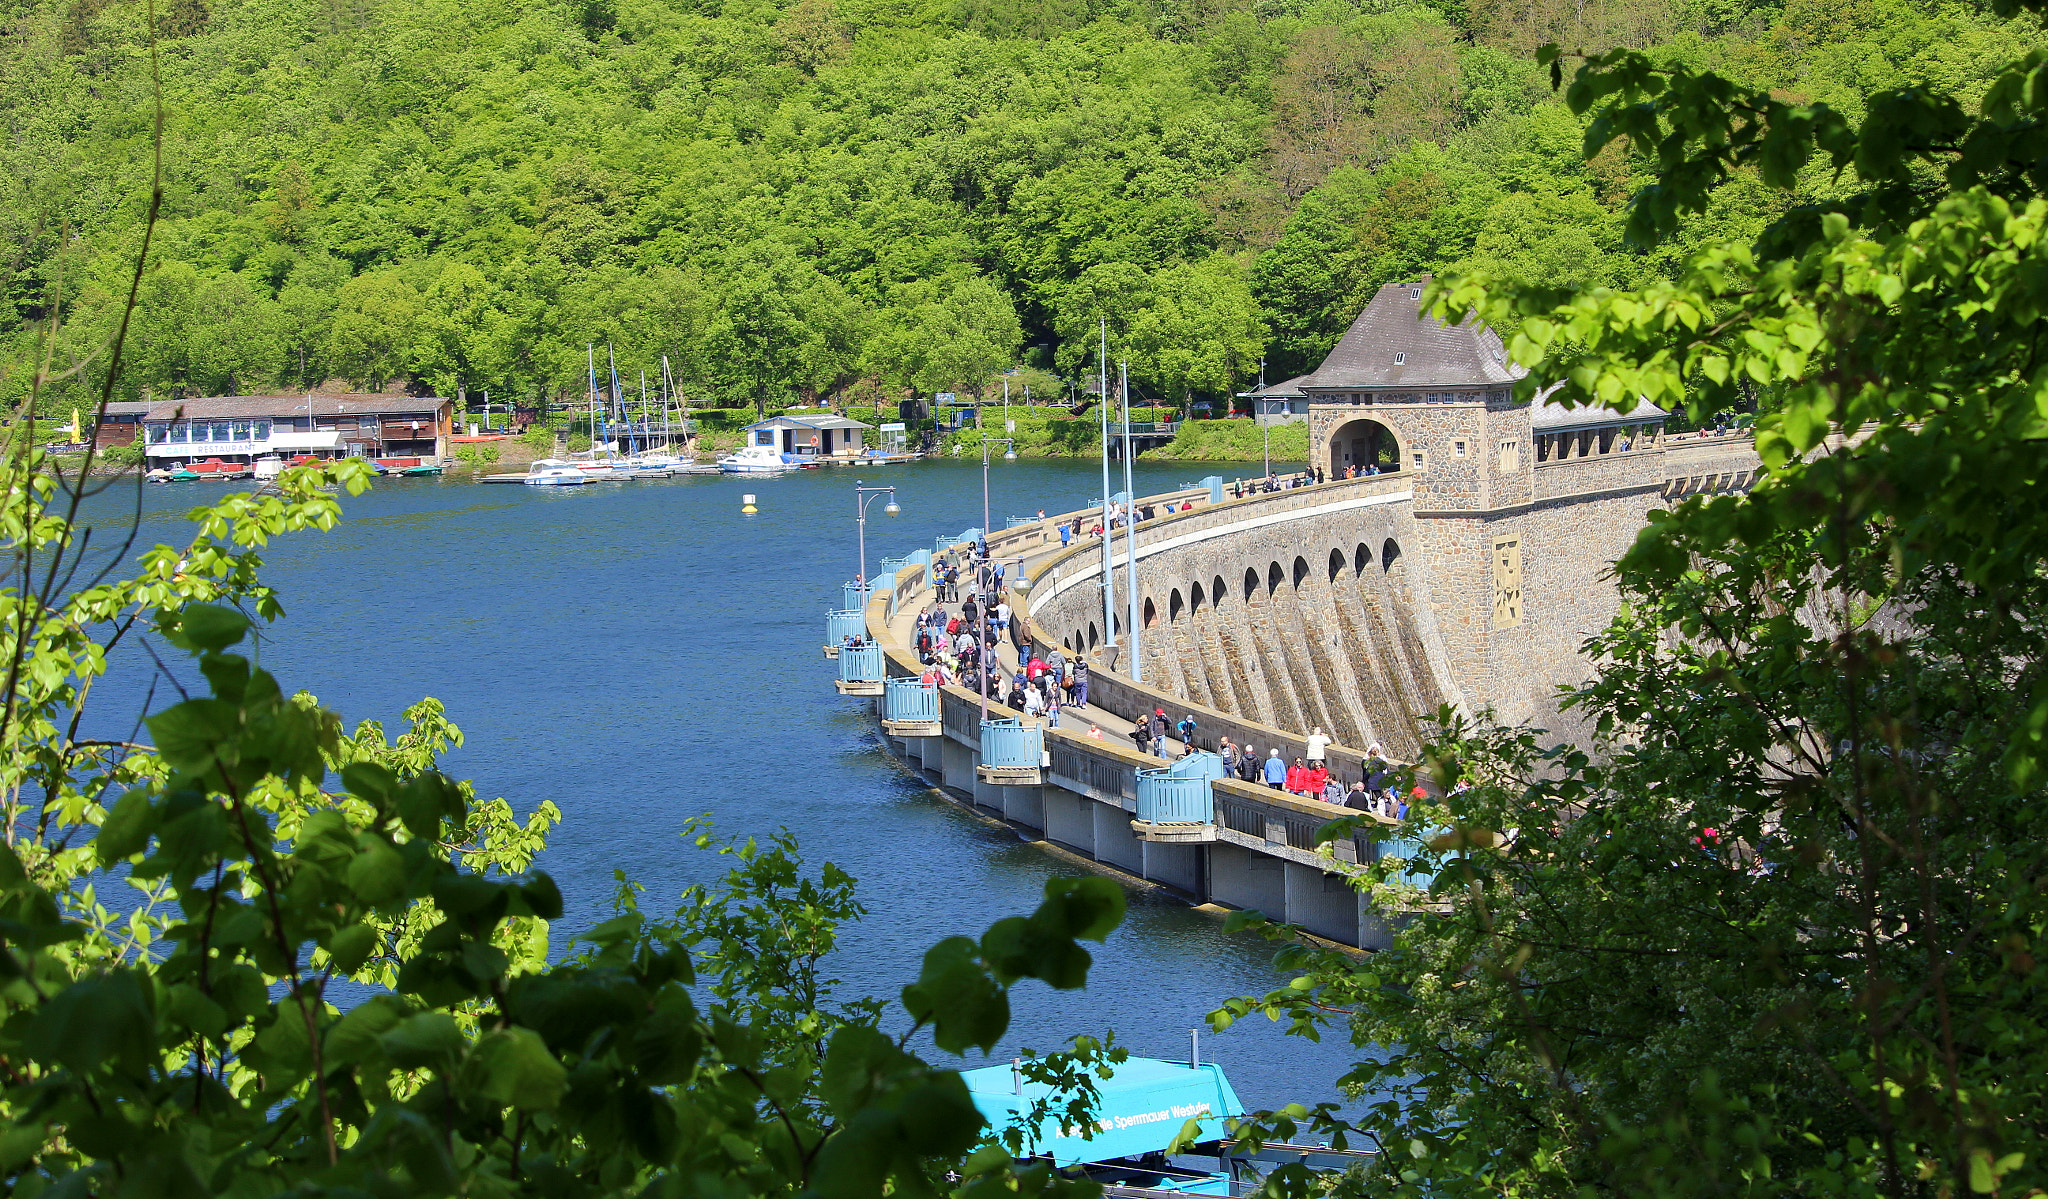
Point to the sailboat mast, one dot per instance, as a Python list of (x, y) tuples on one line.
[(590, 360)]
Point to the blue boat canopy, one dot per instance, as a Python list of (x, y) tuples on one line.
[(1142, 1110)]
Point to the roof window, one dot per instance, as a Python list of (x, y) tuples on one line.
[(1400, 360)]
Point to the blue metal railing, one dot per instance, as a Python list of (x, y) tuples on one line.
[(1405, 848), (909, 699), (1215, 485), (1009, 745), (891, 565), (971, 535), (860, 664), (841, 625), (1180, 794), (856, 596), (1011, 522)]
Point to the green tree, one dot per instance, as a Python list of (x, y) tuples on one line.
[(1200, 332), (1780, 930), (783, 328), (951, 338), (370, 335)]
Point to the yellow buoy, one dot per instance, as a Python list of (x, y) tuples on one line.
[(747, 505)]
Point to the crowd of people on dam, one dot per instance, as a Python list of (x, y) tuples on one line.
[(955, 639), (956, 636)]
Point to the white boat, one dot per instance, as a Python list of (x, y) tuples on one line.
[(755, 460), (269, 466), (553, 472)]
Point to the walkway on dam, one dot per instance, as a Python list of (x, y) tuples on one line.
[(902, 633)]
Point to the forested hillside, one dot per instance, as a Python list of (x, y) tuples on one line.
[(833, 197)]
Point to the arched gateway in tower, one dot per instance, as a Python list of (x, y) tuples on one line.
[(1519, 507)]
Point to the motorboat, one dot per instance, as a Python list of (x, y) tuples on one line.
[(756, 460), (553, 472)]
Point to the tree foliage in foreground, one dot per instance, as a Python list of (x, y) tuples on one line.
[(335, 976), (1781, 930)]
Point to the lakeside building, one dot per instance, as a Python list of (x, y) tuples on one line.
[(1278, 404), (120, 424), (244, 428), (823, 436)]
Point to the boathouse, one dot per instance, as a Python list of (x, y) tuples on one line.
[(824, 436), (120, 424), (243, 428)]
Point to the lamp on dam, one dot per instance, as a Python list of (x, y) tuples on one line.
[(864, 495), (1009, 454)]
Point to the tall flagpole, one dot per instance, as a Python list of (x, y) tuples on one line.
[(1108, 536), (1123, 386)]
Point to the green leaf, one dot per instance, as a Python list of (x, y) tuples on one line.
[(512, 1067), (377, 873), (357, 1035), (955, 992), (352, 946), (101, 1018), (428, 1039), (860, 1062), (542, 897), (191, 1007), (187, 733), (209, 627), (127, 828), (668, 1043), (1088, 908), (373, 781)]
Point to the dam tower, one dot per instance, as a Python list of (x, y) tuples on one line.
[(1519, 507)]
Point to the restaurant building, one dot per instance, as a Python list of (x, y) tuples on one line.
[(243, 428)]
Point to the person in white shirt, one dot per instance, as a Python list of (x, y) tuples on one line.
[(1318, 747)]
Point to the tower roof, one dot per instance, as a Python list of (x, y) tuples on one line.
[(1393, 344)]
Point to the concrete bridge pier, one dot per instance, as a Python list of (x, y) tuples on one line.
[(1115, 843), (1069, 820), (1025, 806)]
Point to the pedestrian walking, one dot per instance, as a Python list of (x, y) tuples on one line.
[(1080, 682), (1186, 728), (1276, 772)]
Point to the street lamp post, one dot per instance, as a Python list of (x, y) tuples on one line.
[(862, 497), (1266, 417), (1009, 455)]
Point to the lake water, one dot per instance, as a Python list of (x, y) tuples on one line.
[(643, 653)]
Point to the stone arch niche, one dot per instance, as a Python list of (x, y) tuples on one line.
[(1151, 614), (1251, 583), (1194, 597), (1174, 605), (1361, 558), (1300, 571), (1336, 564), (1363, 442), (1274, 577), (1217, 594)]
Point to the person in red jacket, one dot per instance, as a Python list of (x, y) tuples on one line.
[(1318, 778), (1297, 778)]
